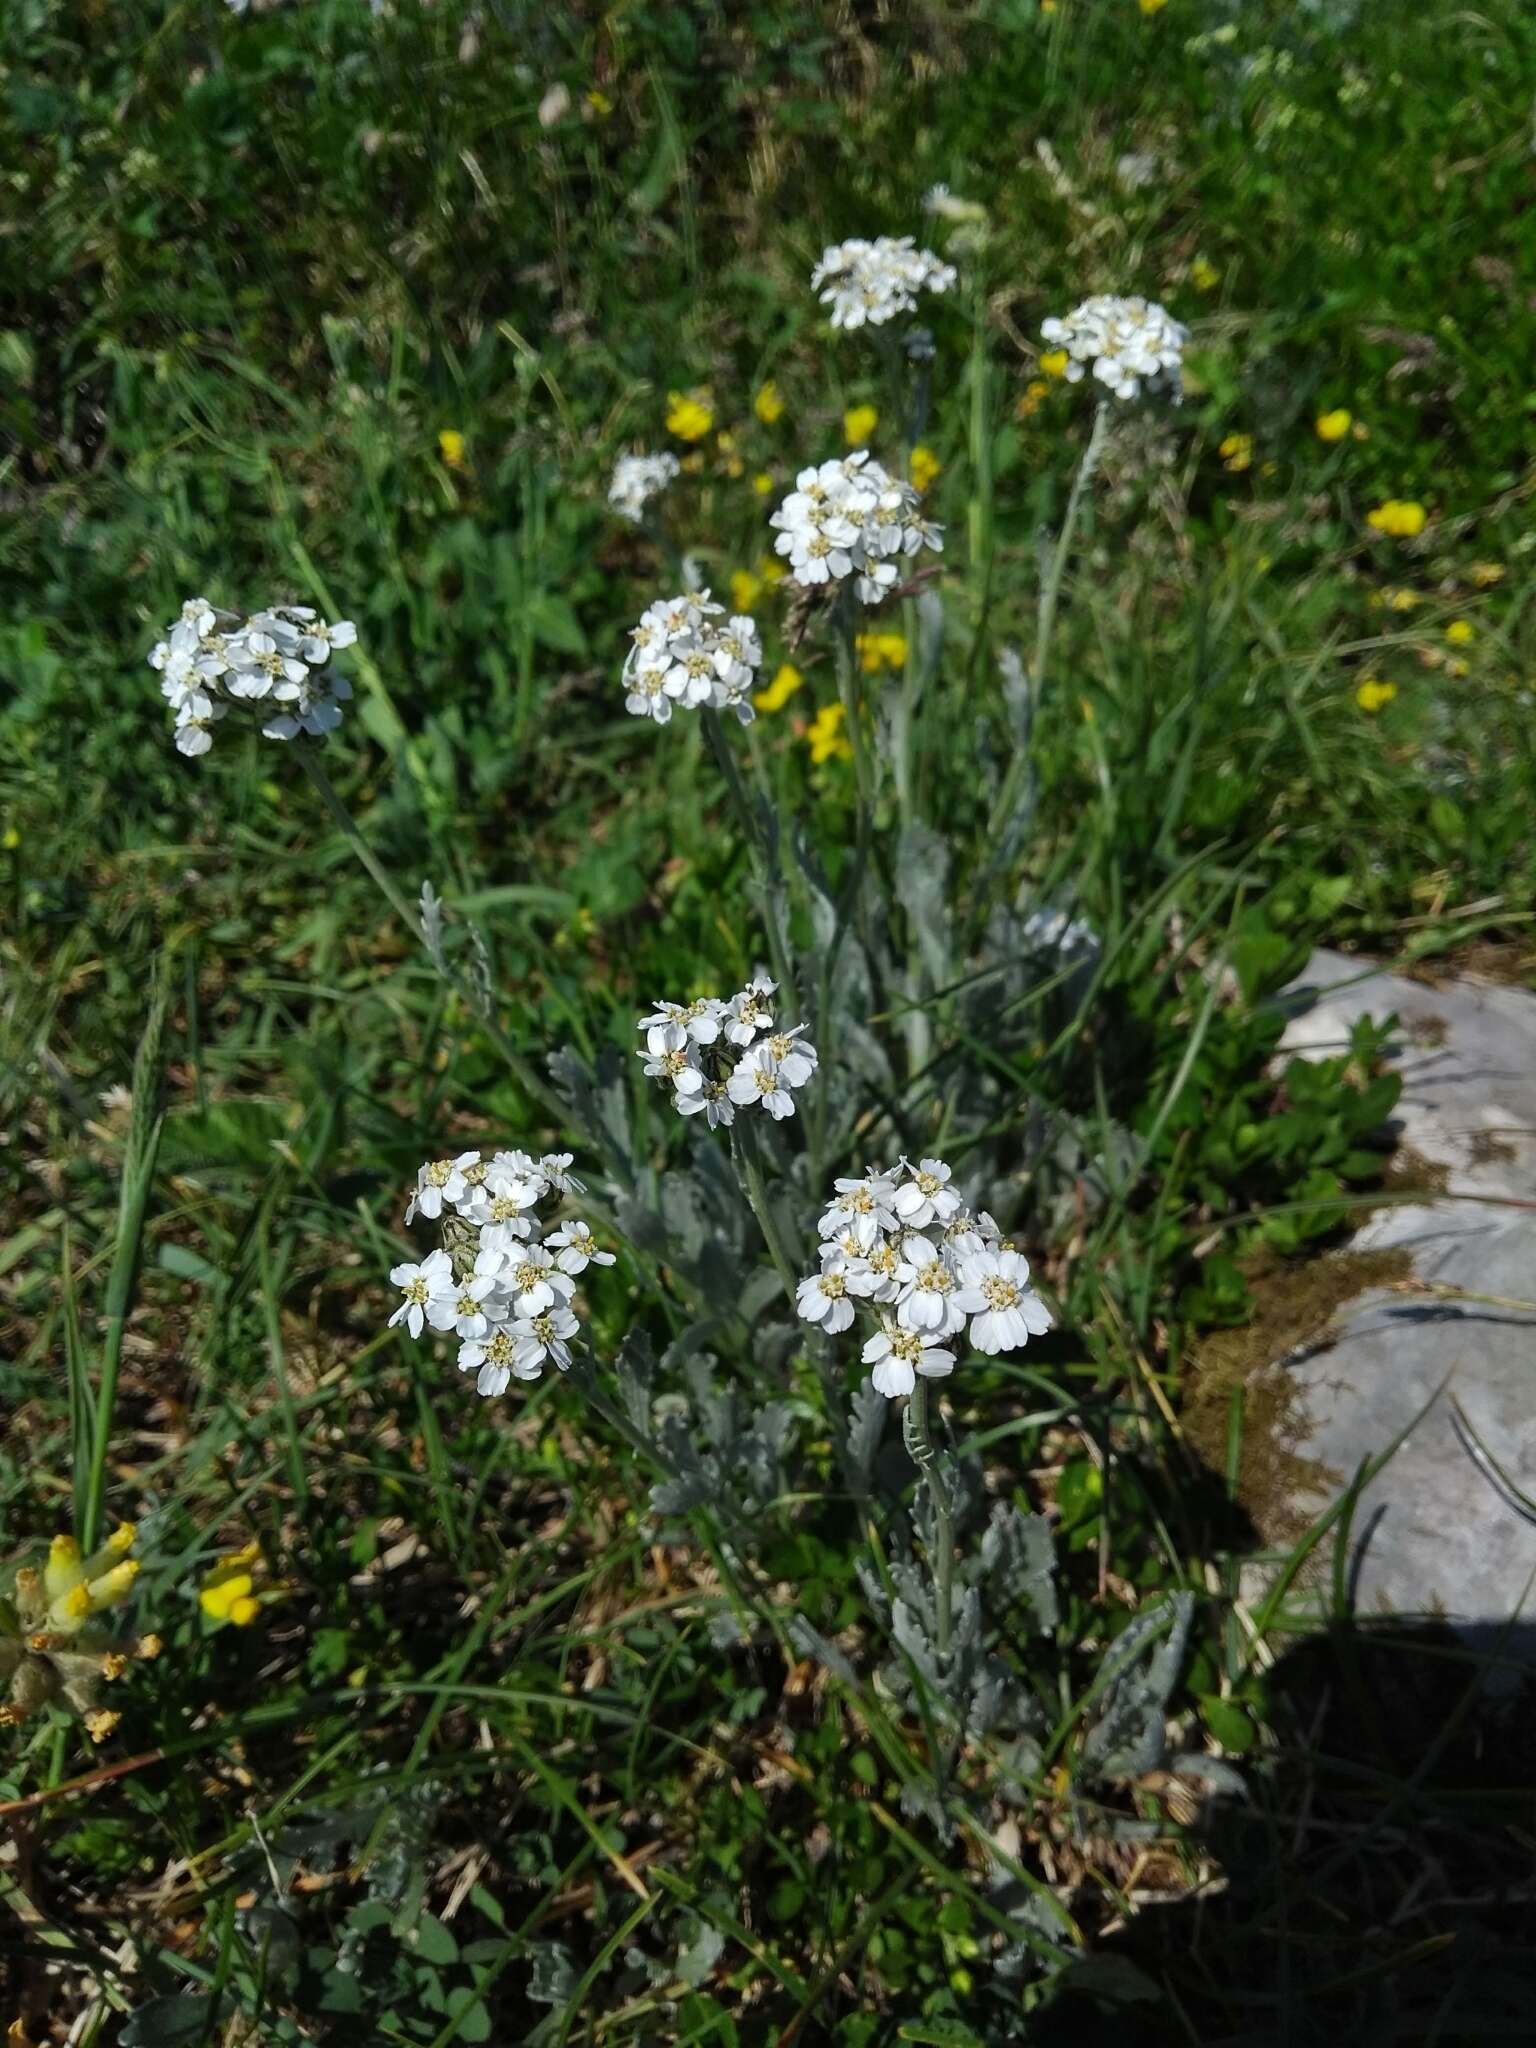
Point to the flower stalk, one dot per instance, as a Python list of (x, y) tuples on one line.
[(941, 1559)]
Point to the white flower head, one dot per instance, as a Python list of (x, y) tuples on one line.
[(1005, 1310), (865, 284), (680, 655), (636, 480), (897, 1356), (759, 1082), (421, 1285), (1130, 345), (212, 663), (823, 1298), (712, 1057), (849, 518)]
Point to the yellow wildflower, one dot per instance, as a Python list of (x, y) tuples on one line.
[(1372, 693), (825, 736), (1054, 362), (771, 569), (1153, 6), (1236, 452), (1047, 6), (879, 651), (1486, 574), (859, 422), (925, 467), (1458, 668), (769, 403), (780, 690), (746, 589), (726, 443), (10, 839), (1403, 518), (452, 445), (100, 1723), (1461, 633), (1333, 426), (1403, 600), (229, 1591), (1204, 275), (600, 103), (762, 483), (690, 414), (1034, 397)]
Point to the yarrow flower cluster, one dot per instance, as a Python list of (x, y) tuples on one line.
[(501, 1282), (1126, 343), (682, 656), (637, 479), (275, 664), (867, 283), (850, 517), (718, 1057), (899, 1246)]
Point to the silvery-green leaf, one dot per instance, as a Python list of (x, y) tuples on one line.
[(1019, 1561)]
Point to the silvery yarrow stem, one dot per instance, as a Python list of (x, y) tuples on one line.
[(914, 1431), (1045, 624), (762, 854)]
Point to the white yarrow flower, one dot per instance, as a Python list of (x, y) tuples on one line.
[(851, 518), (637, 479), (421, 1285), (212, 663), (679, 655), (864, 283), (1129, 344)]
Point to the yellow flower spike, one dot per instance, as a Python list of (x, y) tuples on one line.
[(926, 466), (114, 1585), (1054, 362), (690, 414), (825, 736), (762, 483), (1333, 426), (859, 422), (100, 1724), (75, 1605), (1461, 632), (780, 690), (746, 589), (1204, 275), (453, 447), (1486, 574), (1236, 452), (1372, 693), (63, 1568), (769, 403)]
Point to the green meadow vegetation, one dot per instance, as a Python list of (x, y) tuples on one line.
[(699, 1694)]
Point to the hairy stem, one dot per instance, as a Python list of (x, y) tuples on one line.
[(942, 1560)]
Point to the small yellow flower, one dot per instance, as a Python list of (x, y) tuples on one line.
[(879, 651), (769, 403), (925, 467), (10, 839), (780, 690), (1333, 426), (1486, 574), (746, 589), (1461, 632), (1236, 452), (1153, 6), (690, 414), (1458, 668), (229, 1591), (1034, 396), (1047, 6), (100, 1723), (825, 736), (600, 103), (452, 445), (859, 422), (1402, 518), (762, 483), (1372, 693), (726, 444), (1054, 362), (1204, 275), (1403, 600)]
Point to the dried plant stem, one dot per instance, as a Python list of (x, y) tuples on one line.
[(942, 1558)]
